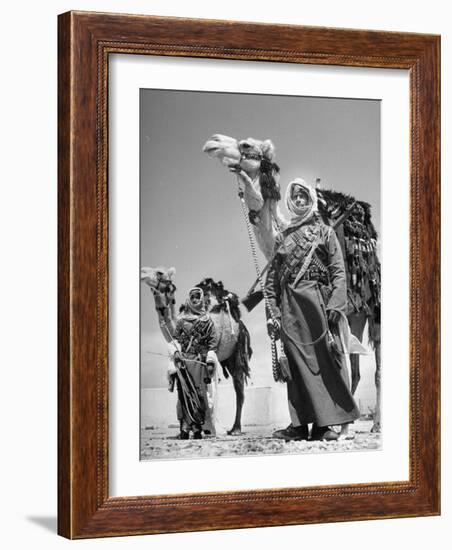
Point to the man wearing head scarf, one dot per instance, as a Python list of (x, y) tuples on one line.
[(306, 288), (196, 342)]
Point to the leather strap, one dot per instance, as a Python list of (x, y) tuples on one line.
[(307, 260)]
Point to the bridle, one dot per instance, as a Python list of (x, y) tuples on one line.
[(164, 286)]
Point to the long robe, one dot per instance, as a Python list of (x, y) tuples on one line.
[(196, 335), (319, 387)]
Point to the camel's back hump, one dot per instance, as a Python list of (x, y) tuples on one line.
[(227, 330)]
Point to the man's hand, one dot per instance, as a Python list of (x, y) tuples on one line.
[(273, 328), (171, 376), (210, 366)]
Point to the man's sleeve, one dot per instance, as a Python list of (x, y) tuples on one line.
[(336, 269), (211, 336)]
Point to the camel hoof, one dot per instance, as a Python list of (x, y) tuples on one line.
[(234, 431), (376, 428)]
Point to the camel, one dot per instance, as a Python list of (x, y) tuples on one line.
[(258, 178), (233, 349), (161, 282), (261, 188)]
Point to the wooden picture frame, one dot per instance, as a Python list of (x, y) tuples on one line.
[(85, 42)]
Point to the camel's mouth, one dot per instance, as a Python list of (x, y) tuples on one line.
[(148, 278), (210, 147), (249, 151), (250, 155)]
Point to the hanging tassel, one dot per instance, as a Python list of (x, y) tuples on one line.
[(284, 366), (334, 349), (275, 364)]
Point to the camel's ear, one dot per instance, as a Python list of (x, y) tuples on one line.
[(172, 273), (268, 149)]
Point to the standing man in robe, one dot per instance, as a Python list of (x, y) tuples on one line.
[(193, 349), (306, 288)]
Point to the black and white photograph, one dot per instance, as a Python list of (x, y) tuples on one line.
[(260, 274)]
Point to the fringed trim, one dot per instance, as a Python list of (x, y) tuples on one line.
[(268, 180)]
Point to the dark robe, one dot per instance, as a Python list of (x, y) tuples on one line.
[(196, 336), (319, 389)]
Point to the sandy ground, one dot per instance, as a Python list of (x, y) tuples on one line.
[(163, 443)]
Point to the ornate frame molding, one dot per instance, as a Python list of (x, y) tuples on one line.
[(85, 42)]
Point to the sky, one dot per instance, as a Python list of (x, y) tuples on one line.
[(190, 214)]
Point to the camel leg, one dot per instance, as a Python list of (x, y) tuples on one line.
[(357, 323), (239, 387), (377, 415), (356, 374)]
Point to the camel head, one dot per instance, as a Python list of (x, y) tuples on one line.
[(249, 152), (254, 153), (255, 157), (160, 279), (224, 148)]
